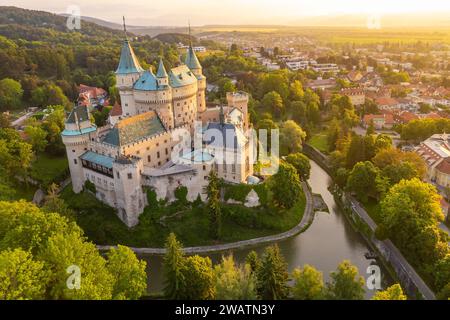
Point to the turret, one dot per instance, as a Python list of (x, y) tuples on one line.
[(127, 73), (192, 62), (76, 136), (161, 75)]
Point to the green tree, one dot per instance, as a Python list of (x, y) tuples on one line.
[(234, 282), (394, 292), (292, 137), (301, 163), (21, 277), (174, 263), (199, 279), (362, 180), (272, 275), (308, 283), (272, 101), (346, 283), (410, 215), (128, 272), (64, 250), (442, 272), (213, 206), (253, 261), (285, 186), (296, 90), (36, 137), (11, 93)]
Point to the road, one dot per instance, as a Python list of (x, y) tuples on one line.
[(20, 120)]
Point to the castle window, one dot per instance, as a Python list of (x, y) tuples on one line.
[(118, 175), (149, 159), (159, 163), (73, 150), (130, 176), (158, 155), (75, 161), (204, 167), (167, 151)]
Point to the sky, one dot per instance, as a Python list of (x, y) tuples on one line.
[(202, 12)]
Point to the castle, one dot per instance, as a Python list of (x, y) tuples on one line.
[(161, 136)]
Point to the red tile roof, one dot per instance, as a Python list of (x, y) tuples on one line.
[(116, 110)]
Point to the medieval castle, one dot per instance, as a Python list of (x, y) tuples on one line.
[(162, 136)]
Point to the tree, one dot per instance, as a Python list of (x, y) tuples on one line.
[(129, 273), (15, 155), (393, 159), (64, 250), (296, 90), (272, 275), (383, 141), (21, 277), (59, 244), (11, 93), (199, 279), (346, 283), (301, 163), (292, 137), (277, 82), (442, 272), (272, 101), (55, 204), (213, 206), (36, 137), (394, 292), (173, 267), (234, 282), (362, 180), (4, 120), (308, 283), (410, 214), (286, 186), (253, 261)]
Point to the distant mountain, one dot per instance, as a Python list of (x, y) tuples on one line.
[(17, 23)]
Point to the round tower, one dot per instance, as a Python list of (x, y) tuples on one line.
[(76, 136)]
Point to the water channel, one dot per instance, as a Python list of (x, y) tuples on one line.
[(328, 241)]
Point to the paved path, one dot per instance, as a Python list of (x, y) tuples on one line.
[(395, 253), (306, 220)]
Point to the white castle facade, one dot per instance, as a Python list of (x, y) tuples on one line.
[(142, 146)]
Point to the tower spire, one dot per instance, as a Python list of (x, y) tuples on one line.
[(125, 28), (190, 37)]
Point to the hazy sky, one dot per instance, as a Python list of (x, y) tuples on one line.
[(200, 12)]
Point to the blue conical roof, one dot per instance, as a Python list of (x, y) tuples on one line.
[(191, 59), (162, 73), (128, 62)]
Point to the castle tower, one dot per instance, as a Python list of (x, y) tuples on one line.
[(161, 75), (130, 200), (196, 68), (239, 100), (76, 136), (127, 73)]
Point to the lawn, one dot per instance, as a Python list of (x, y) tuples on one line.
[(47, 169), (319, 141), (189, 222)]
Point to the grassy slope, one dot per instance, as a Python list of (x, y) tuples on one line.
[(190, 224)]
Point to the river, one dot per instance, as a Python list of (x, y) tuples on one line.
[(328, 241)]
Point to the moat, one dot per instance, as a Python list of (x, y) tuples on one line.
[(329, 240)]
